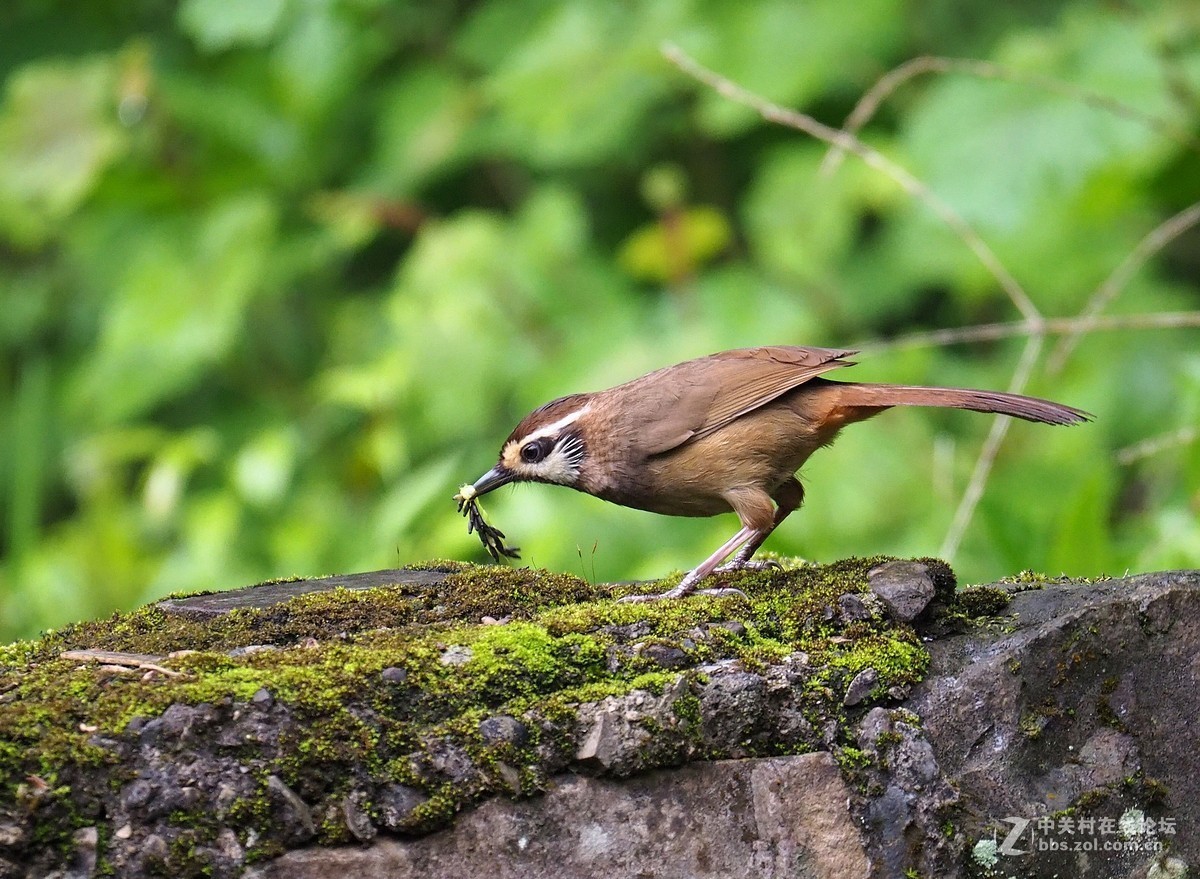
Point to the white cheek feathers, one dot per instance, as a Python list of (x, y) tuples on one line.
[(561, 466), (557, 467)]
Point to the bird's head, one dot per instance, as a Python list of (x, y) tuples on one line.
[(547, 446)]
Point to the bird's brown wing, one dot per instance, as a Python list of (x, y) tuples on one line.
[(696, 398)]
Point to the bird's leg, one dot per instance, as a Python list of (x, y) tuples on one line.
[(753, 506), (687, 585), (788, 498)]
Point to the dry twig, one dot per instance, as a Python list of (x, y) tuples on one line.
[(848, 142), (1156, 240), (987, 455), (143, 661), (1051, 326), (887, 84), (1156, 445)]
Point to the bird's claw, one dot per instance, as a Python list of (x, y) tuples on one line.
[(748, 565), (722, 592), (678, 592)]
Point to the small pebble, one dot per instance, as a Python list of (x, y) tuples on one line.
[(394, 675), (456, 655)]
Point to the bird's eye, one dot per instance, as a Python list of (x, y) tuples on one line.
[(533, 452)]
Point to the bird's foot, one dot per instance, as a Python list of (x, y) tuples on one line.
[(720, 592), (686, 587), (747, 565)]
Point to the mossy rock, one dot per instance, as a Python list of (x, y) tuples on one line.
[(332, 707)]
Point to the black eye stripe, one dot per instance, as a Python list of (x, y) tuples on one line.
[(569, 445)]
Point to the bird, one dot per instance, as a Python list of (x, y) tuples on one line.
[(717, 434)]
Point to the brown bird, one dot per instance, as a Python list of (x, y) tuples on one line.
[(721, 433)]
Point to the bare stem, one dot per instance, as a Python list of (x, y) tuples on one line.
[(887, 84), (851, 144), (1051, 326), (1156, 240), (987, 455), (1156, 445)]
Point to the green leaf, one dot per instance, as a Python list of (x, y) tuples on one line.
[(1000, 151), (424, 122), (1080, 542), (263, 468), (216, 25), (177, 311), (800, 223), (578, 87), (58, 134), (319, 59)]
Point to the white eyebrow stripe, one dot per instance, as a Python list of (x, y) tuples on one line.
[(552, 429)]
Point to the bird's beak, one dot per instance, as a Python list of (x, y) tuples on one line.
[(493, 479)]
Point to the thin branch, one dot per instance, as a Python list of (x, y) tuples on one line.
[(1156, 240), (1156, 445), (142, 661), (870, 102), (987, 455), (1051, 326), (836, 137)]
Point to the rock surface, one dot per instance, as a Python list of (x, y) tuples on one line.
[(904, 587), (214, 604), (729, 818), (1083, 707), (1053, 735)]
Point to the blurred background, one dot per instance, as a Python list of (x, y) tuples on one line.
[(276, 277)]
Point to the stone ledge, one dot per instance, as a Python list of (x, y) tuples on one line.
[(740, 819)]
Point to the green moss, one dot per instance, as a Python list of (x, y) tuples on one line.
[(1147, 790), (1034, 721), (981, 601), (469, 593), (687, 708), (1090, 799), (1028, 580), (888, 739), (896, 654), (852, 759), (561, 645), (945, 583)]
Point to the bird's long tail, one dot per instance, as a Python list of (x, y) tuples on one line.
[(873, 396)]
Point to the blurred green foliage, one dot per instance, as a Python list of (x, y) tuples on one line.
[(276, 277)]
